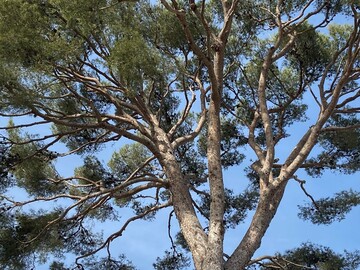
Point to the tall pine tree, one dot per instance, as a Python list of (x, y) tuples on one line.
[(181, 90)]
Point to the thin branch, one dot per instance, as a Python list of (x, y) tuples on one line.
[(143, 165), (302, 185), (348, 100), (302, 13), (185, 113), (119, 233), (335, 128), (15, 114), (24, 125), (169, 231), (251, 138), (259, 259), (314, 96), (189, 137), (276, 260)]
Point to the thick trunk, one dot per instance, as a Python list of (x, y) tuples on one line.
[(181, 199), (185, 213), (265, 211), (212, 243), (214, 255)]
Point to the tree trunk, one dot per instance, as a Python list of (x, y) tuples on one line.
[(265, 211), (185, 213), (214, 255)]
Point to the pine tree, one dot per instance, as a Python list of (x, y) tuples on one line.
[(180, 91)]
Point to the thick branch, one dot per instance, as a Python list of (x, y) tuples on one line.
[(265, 211)]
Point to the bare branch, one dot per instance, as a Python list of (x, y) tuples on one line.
[(257, 149), (335, 128), (189, 137), (302, 185), (119, 233), (169, 231), (185, 113)]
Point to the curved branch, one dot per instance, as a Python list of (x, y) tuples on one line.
[(302, 185), (119, 233), (189, 137), (185, 113)]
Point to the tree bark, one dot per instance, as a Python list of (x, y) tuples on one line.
[(185, 213), (214, 255), (265, 211)]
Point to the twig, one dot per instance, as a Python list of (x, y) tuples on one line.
[(120, 232), (302, 183), (169, 233)]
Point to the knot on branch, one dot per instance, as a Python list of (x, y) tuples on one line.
[(216, 46), (193, 6)]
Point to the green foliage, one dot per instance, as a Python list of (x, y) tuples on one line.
[(81, 140), (15, 98), (192, 164), (18, 32), (232, 140), (125, 161), (7, 161), (339, 34), (135, 60), (93, 170), (34, 171), (120, 263), (181, 242), (236, 206), (311, 256), (35, 37), (22, 234), (172, 261), (167, 29), (166, 107), (94, 263), (340, 147), (27, 238), (330, 209), (190, 158), (57, 266), (315, 256), (317, 56), (283, 92)]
